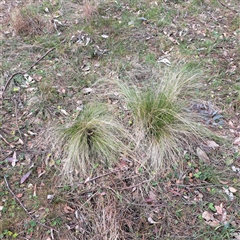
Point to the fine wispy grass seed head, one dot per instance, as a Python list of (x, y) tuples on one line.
[(161, 125), (93, 138)]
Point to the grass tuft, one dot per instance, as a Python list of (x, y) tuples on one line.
[(26, 21), (93, 138), (90, 9), (162, 126)]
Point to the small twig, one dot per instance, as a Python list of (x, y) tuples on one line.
[(6, 141), (136, 185), (16, 117), (93, 195), (6, 156), (212, 17), (224, 5), (92, 179), (201, 185), (9, 80), (132, 203), (40, 59), (24, 208), (21, 73), (95, 178)]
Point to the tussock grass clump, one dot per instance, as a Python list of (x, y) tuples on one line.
[(162, 126), (26, 21), (90, 9), (94, 137)]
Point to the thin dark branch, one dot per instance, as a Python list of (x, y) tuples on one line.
[(9, 80), (136, 185), (40, 59), (24, 208), (224, 5), (21, 73), (201, 185), (16, 117), (95, 178), (1, 137)]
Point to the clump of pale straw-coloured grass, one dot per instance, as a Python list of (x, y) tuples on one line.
[(95, 137), (162, 126)]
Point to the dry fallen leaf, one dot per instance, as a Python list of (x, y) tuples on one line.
[(223, 182), (35, 190), (229, 193), (202, 155), (219, 209), (25, 177), (152, 196), (1, 92), (198, 197), (207, 216), (87, 90), (19, 195), (236, 236), (40, 171), (222, 211), (50, 196), (210, 220), (224, 216), (232, 189), (230, 123), (237, 141), (20, 141), (214, 223), (64, 112), (104, 36), (68, 209), (12, 159), (236, 169), (150, 220), (87, 180), (165, 61), (212, 144), (37, 77)]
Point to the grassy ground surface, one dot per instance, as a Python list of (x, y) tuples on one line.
[(56, 58)]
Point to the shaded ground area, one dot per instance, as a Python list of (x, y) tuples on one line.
[(54, 56)]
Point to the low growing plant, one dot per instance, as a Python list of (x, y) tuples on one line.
[(27, 22), (162, 125), (94, 137)]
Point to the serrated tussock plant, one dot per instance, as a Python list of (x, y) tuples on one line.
[(94, 137), (27, 22), (162, 126)]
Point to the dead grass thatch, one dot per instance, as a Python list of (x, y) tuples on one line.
[(26, 21)]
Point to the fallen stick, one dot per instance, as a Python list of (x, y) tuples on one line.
[(24, 72), (1, 137), (24, 208), (224, 5), (95, 178)]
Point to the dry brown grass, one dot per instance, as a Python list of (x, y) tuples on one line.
[(106, 212), (95, 137), (89, 9), (162, 127), (26, 21), (106, 222), (125, 200)]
